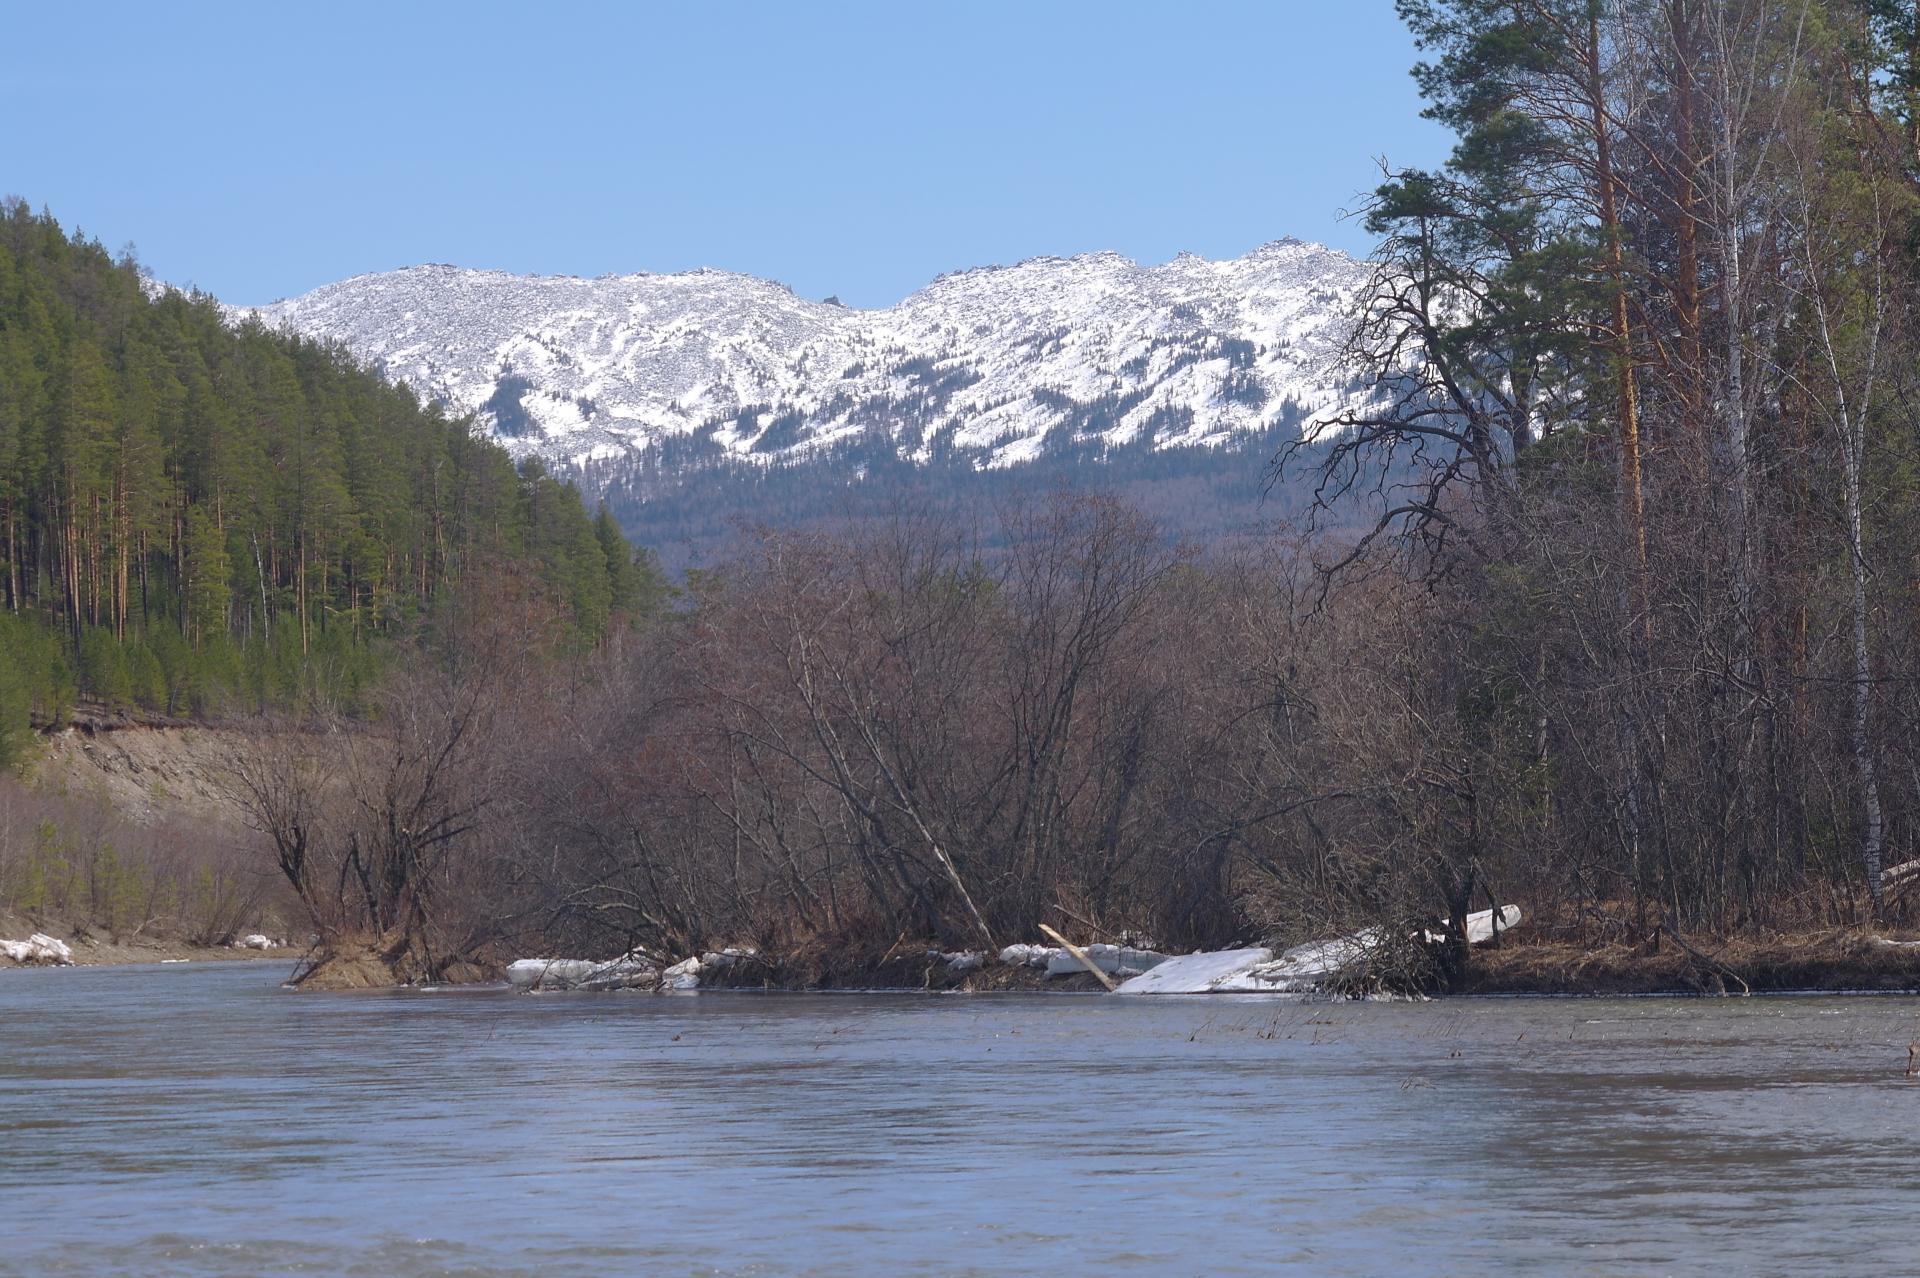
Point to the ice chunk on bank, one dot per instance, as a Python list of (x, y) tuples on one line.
[(1029, 955), (634, 971), (684, 975), (1480, 925), (1114, 960), (547, 974), (39, 948), (254, 941), (1256, 970), (728, 957)]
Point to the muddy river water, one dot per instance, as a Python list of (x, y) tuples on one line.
[(197, 1119)]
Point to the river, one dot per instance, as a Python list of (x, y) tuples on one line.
[(198, 1120)]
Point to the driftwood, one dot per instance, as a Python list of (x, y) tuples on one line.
[(1899, 876), (1712, 964)]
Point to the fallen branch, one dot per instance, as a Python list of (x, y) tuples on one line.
[(1899, 876), (1711, 963)]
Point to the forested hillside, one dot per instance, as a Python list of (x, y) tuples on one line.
[(199, 517)]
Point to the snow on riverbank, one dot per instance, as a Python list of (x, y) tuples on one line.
[(1256, 969), (633, 971), (1299, 970), (39, 949), (1115, 960), (1197, 973), (636, 970)]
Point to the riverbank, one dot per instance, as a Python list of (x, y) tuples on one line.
[(1833, 961), (91, 948), (149, 790), (129, 953), (1525, 963), (922, 969)]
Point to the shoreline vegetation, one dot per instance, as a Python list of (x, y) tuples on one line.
[(815, 761), (1525, 963), (129, 781)]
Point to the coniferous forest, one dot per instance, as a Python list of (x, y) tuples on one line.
[(198, 517)]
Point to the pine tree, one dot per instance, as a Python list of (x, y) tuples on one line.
[(207, 572)]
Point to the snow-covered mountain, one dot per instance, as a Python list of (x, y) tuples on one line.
[(993, 367)]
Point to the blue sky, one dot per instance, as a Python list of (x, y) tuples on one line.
[(261, 149)]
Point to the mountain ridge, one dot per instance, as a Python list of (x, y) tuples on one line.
[(1284, 241), (994, 365)]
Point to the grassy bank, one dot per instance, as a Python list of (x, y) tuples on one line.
[(1833, 960)]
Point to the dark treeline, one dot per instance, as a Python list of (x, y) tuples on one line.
[(686, 508), (1650, 340), (196, 515)]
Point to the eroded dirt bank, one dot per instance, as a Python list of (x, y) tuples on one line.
[(145, 770), (121, 841)]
